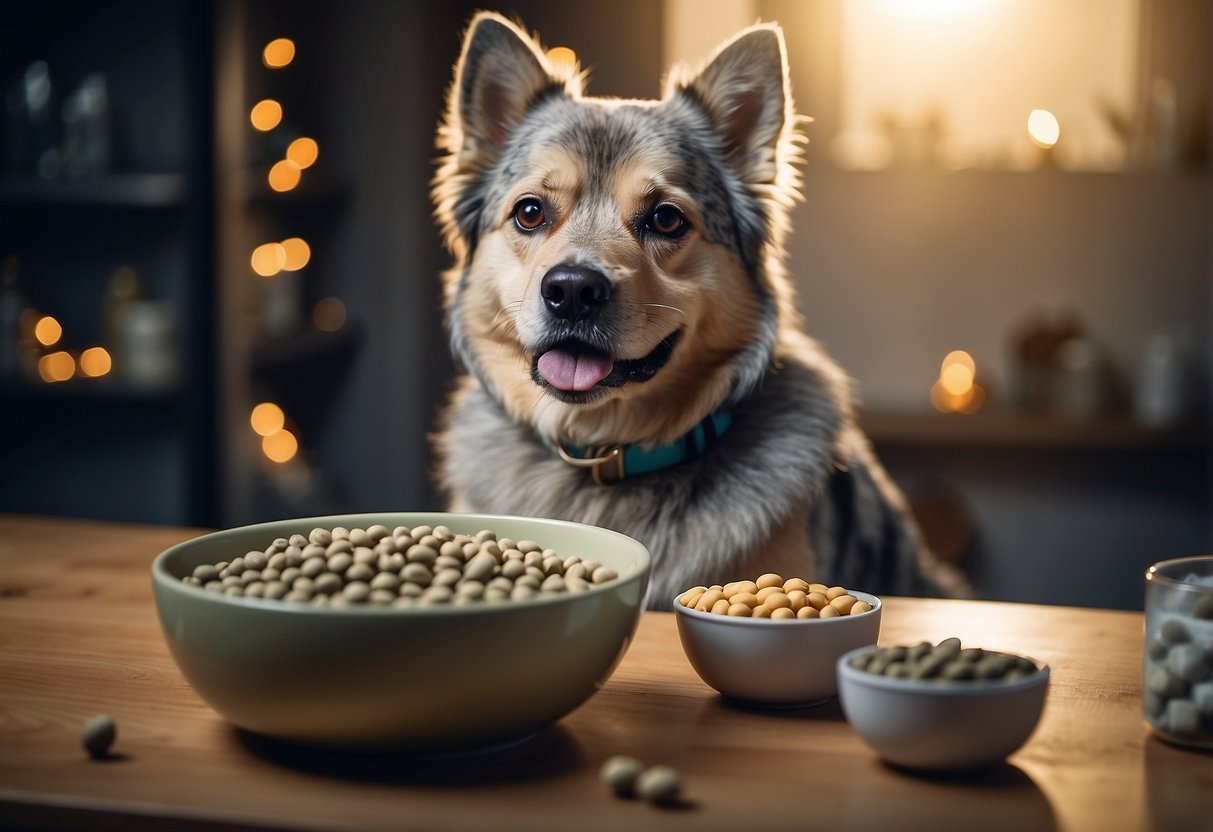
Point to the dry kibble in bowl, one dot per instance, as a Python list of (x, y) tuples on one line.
[(402, 567), (944, 662), (770, 596)]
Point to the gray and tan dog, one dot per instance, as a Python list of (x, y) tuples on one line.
[(635, 359)]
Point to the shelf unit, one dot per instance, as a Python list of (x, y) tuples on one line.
[(1025, 431), (101, 447)]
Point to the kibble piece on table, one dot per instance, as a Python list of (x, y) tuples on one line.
[(659, 784), (770, 596), (620, 773), (98, 735)]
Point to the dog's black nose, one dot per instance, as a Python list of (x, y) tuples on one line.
[(574, 293)]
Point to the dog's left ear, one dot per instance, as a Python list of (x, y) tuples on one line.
[(746, 93)]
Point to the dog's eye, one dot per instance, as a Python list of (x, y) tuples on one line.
[(528, 214), (667, 221)]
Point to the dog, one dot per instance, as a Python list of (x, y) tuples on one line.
[(633, 356)]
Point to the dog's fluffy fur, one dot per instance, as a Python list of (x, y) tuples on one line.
[(792, 486)]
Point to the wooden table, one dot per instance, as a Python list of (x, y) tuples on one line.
[(79, 636)]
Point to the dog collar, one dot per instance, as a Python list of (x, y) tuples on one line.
[(611, 463)]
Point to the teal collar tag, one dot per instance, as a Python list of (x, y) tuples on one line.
[(610, 463)]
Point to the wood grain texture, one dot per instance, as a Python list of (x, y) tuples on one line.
[(78, 636)]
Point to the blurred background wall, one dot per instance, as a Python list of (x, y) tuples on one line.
[(242, 224)]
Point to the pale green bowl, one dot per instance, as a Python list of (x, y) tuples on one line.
[(435, 678)]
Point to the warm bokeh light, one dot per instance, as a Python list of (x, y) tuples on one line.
[(328, 314), (303, 152), (298, 253), (95, 361), (280, 446), (58, 366), (956, 373), (48, 331), (267, 419), (284, 175), (268, 259), (266, 114), (1043, 128), (278, 53), (562, 55), (956, 379), (956, 390)]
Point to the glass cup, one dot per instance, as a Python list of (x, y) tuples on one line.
[(1177, 673)]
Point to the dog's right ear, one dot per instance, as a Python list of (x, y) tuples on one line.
[(500, 73)]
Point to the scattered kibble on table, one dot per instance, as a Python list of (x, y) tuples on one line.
[(661, 785), (401, 567), (770, 596), (946, 661), (98, 735)]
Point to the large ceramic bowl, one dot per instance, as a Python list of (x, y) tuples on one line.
[(774, 663), (934, 725), (436, 677)]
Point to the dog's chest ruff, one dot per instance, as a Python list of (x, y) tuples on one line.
[(696, 517), (611, 463)]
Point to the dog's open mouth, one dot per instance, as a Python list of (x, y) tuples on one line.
[(573, 370)]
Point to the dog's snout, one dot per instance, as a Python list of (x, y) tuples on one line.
[(574, 293)]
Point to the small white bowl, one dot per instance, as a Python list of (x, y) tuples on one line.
[(941, 726), (774, 663)]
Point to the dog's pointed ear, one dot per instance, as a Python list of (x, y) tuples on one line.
[(500, 72), (745, 90)]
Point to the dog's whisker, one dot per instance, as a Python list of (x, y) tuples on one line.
[(662, 306)]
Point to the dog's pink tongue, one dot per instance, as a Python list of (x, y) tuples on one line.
[(573, 372)]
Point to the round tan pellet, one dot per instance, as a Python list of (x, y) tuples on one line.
[(385, 580), (797, 598), (746, 598), (769, 579), (419, 532), (860, 607), (835, 592), (843, 603), (738, 610), (592, 565), (817, 600), (807, 612), (359, 537), (721, 607), (766, 592), (730, 589), (709, 599), (694, 592), (321, 537), (782, 613), (761, 612), (340, 562), (511, 569), (417, 573), (822, 588), (420, 554), (829, 612), (777, 600), (796, 584)]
